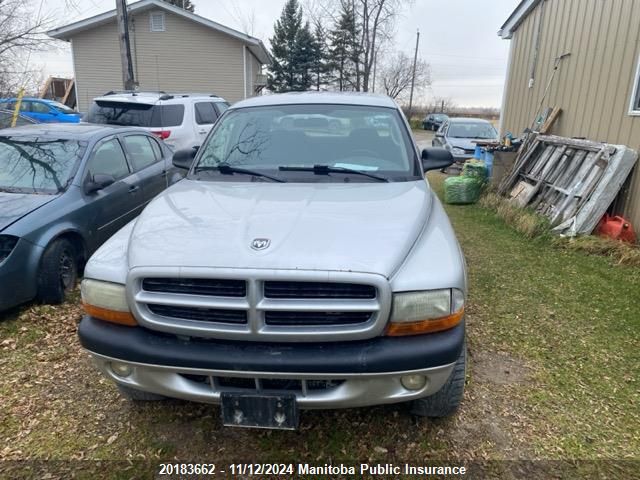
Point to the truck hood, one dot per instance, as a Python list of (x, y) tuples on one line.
[(14, 206), (360, 227)]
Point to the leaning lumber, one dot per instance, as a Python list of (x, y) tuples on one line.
[(571, 181)]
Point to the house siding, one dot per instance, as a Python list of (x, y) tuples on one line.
[(593, 86), (96, 60), (186, 57)]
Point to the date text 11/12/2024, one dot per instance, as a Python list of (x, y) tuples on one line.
[(307, 469)]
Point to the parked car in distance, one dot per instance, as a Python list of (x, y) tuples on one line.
[(182, 120), (434, 121), (290, 269), (42, 110), (458, 135), (6, 118), (64, 190)]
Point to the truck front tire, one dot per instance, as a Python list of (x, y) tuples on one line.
[(446, 400)]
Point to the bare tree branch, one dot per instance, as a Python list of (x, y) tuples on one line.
[(23, 30), (396, 75)]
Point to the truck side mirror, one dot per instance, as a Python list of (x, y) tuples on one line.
[(436, 159)]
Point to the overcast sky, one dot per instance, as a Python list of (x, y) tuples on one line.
[(457, 37)]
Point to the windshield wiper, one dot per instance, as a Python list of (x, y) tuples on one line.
[(227, 169), (327, 169)]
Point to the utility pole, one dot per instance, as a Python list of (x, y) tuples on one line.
[(375, 66), (413, 76), (125, 45)]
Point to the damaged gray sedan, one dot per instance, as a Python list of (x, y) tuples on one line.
[(64, 190)]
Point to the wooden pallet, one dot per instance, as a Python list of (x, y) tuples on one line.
[(556, 176)]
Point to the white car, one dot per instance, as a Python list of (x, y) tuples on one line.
[(182, 120)]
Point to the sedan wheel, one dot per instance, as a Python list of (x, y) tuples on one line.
[(58, 271)]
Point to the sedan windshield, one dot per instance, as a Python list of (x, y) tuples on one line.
[(472, 130), (311, 143), (32, 165)]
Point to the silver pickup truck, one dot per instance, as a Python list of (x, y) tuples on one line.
[(303, 263)]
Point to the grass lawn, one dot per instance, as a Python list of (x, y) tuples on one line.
[(554, 339)]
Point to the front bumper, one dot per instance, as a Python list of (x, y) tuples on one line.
[(18, 274), (322, 375)]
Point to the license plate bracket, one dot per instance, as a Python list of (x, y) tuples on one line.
[(273, 411)]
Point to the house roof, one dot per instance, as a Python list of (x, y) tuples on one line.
[(524, 8), (65, 32)]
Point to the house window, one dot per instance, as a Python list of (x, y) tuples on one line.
[(157, 21), (634, 107)]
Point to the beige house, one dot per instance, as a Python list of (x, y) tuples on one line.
[(597, 85), (172, 50)]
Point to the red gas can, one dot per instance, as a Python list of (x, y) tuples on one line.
[(617, 228)]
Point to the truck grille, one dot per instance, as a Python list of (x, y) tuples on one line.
[(258, 385), (315, 318), (260, 305), (196, 286), (200, 314), (317, 290)]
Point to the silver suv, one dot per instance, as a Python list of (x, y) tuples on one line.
[(303, 263), (182, 120)]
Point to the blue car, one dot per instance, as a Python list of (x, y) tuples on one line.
[(64, 190), (42, 111), (6, 119)]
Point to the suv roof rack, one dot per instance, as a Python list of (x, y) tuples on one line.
[(132, 92), (192, 94)]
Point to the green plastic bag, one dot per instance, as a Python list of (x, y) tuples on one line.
[(462, 190), (475, 168)]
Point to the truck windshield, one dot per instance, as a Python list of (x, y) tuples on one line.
[(274, 139), (29, 165)]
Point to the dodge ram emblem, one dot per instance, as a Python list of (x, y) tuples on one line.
[(260, 243)]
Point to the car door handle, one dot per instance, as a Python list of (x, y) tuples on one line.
[(203, 130), (133, 188)]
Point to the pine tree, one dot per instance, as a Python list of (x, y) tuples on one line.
[(305, 57), (185, 4), (345, 51), (321, 67), (284, 70)]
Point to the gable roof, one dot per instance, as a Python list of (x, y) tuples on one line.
[(255, 45), (524, 8)]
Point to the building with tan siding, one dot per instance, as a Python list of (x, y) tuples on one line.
[(172, 50), (597, 85)]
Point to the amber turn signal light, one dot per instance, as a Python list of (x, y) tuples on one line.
[(425, 326), (121, 318)]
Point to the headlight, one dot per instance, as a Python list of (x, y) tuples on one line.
[(106, 301), (7, 244), (457, 151), (428, 311)]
